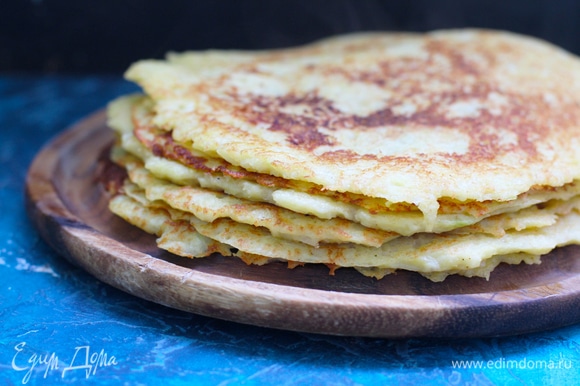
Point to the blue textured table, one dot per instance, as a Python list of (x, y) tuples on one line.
[(62, 326)]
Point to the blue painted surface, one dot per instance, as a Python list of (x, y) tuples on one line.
[(53, 314)]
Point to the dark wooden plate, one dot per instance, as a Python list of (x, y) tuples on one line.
[(68, 205)]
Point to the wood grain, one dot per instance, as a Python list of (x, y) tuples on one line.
[(68, 205)]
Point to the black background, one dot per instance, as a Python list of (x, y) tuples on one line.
[(105, 36)]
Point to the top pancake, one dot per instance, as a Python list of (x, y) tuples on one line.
[(468, 115)]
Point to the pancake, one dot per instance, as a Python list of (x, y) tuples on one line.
[(128, 116), (432, 255), (411, 118), (441, 153)]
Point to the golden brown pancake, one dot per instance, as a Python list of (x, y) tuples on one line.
[(432, 255), (441, 153), (413, 118), (158, 151)]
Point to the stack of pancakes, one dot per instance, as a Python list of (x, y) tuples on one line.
[(442, 153)]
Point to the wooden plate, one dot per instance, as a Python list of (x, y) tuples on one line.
[(69, 207)]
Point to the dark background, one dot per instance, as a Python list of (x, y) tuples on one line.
[(105, 36)]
